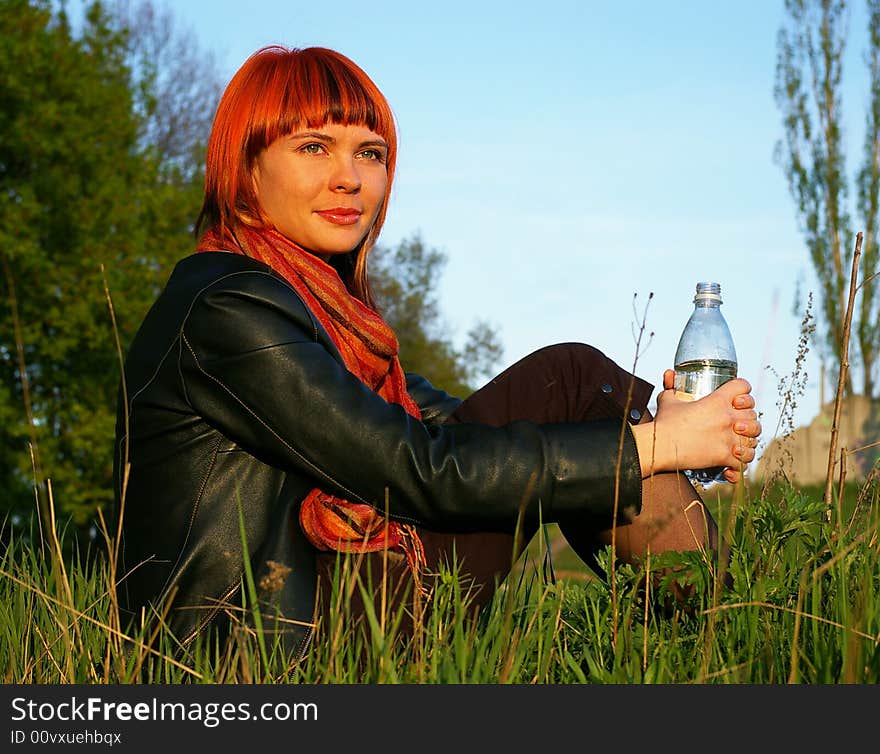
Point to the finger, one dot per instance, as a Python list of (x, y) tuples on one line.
[(747, 427), (668, 379), (744, 453), (667, 394), (744, 384), (744, 400), (737, 385), (732, 475)]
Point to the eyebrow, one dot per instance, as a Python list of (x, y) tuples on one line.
[(330, 140)]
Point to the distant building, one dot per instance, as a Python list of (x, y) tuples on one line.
[(803, 454)]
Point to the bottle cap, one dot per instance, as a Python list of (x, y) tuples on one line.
[(708, 292)]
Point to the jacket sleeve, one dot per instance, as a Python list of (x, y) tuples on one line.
[(436, 405), (258, 367)]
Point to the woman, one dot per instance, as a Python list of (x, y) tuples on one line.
[(264, 389)]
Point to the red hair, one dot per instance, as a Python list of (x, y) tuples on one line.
[(277, 91)]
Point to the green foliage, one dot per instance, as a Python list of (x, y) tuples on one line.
[(86, 200), (405, 282), (808, 92), (803, 607), (867, 324), (100, 169)]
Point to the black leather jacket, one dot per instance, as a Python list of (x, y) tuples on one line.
[(238, 404)]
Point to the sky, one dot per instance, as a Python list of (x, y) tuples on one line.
[(582, 164)]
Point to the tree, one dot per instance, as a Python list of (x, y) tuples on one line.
[(405, 285), (87, 196), (808, 92), (102, 137), (175, 85)]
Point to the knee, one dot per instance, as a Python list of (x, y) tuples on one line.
[(586, 366), (599, 374), (580, 357)]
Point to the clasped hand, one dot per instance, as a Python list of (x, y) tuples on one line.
[(720, 429)]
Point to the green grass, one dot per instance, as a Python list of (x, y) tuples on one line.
[(804, 607)]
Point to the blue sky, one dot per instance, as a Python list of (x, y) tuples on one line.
[(571, 158)]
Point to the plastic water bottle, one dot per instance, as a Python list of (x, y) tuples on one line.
[(705, 358)]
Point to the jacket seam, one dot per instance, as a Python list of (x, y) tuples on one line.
[(176, 340), (212, 613), (193, 513), (275, 434), (318, 471)]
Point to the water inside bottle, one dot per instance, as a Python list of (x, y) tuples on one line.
[(693, 380)]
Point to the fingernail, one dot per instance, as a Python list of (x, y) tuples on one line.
[(739, 427)]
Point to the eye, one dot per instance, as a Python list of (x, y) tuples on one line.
[(312, 148), (373, 154)]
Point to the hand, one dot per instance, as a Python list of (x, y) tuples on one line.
[(720, 429)]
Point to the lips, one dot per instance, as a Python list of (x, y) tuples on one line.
[(340, 215)]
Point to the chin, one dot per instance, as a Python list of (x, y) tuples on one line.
[(337, 252), (341, 247)]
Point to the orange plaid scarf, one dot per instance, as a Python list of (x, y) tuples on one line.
[(369, 349)]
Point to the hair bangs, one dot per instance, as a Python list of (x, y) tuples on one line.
[(322, 89)]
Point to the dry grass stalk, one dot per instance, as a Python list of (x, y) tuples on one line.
[(841, 378)]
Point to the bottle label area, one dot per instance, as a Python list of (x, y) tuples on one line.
[(694, 379)]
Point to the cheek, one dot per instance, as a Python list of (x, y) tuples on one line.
[(279, 193), (299, 186), (377, 193), (266, 190)]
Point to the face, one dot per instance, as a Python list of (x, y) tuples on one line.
[(323, 188)]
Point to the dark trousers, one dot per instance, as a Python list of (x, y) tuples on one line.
[(569, 382)]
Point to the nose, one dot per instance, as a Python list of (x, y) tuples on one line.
[(345, 176)]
